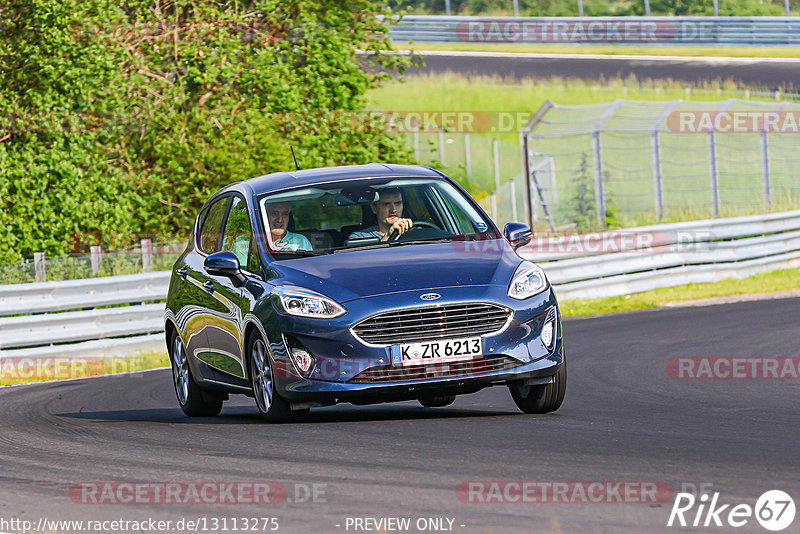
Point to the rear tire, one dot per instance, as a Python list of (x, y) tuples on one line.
[(437, 401), (190, 396), (273, 407), (542, 399)]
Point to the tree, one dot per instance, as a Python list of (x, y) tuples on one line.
[(122, 117)]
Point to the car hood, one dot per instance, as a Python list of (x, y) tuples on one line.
[(352, 275)]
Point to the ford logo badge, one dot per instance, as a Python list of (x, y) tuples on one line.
[(430, 296)]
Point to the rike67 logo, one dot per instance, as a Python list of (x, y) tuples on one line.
[(774, 510)]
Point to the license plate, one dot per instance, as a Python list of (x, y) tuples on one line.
[(430, 352)]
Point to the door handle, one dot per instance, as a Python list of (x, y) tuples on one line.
[(182, 272), (208, 285)]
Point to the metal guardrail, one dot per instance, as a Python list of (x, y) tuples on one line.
[(67, 318), (639, 259), (45, 297), (32, 323), (629, 30)]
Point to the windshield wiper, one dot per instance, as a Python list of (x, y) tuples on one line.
[(380, 244), (418, 241), (300, 252)]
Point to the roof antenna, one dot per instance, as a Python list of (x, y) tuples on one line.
[(295, 158)]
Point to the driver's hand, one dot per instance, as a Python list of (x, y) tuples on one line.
[(400, 226)]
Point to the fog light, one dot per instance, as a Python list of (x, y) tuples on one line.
[(302, 359), (547, 333)]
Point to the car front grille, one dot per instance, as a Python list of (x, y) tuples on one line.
[(427, 323), (387, 373)]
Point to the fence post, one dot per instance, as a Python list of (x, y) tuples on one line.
[(416, 141), (466, 154), (599, 192), (658, 186), (513, 201), (713, 171), (765, 170), (441, 145), (40, 271), (580, 8), (447, 7), (647, 7), (496, 155), (95, 254), (147, 255), (516, 8)]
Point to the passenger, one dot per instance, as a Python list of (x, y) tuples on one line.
[(388, 210), (282, 239)]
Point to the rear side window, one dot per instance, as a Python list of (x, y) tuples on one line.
[(211, 226)]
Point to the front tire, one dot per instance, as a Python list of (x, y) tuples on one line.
[(190, 396), (542, 399), (273, 407)]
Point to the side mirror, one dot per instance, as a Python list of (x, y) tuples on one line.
[(518, 234), (224, 263)]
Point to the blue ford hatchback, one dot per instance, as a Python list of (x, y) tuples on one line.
[(361, 284)]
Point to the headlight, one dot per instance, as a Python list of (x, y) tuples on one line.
[(529, 280), (305, 303)]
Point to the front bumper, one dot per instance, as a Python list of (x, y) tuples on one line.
[(342, 361)]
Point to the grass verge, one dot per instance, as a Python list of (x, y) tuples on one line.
[(768, 282), (611, 49), (41, 369)]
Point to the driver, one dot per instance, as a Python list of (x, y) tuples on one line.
[(388, 210), (282, 239)]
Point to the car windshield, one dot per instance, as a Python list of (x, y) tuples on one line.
[(361, 214)]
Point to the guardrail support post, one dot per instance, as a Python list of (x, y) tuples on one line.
[(713, 172), (599, 192), (147, 255), (765, 171), (658, 186), (40, 271), (96, 254)]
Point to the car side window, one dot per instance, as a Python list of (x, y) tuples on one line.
[(237, 236), (212, 225)]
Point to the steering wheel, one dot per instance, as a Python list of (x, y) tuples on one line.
[(395, 235)]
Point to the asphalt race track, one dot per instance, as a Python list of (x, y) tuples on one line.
[(771, 75), (624, 419)]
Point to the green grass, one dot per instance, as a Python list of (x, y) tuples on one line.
[(453, 92), (627, 157), (613, 49), (769, 282), (55, 368)]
